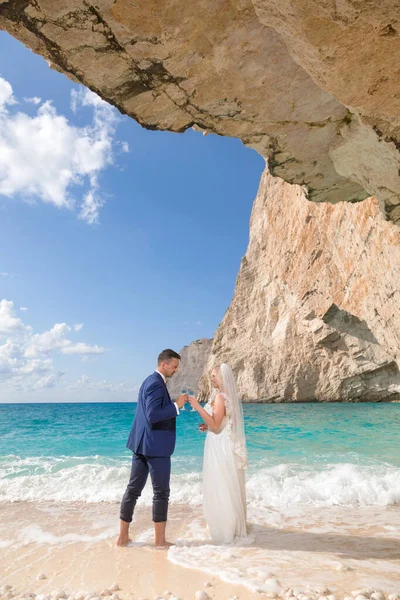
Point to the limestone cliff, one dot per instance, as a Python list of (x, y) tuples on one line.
[(315, 314), (193, 361), (312, 85)]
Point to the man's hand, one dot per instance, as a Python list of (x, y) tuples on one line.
[(181, 400), (203, 427)]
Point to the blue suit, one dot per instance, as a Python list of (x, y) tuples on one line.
[(153, 429), (152, 441)]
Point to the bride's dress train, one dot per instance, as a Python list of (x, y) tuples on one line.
[(224, 490)]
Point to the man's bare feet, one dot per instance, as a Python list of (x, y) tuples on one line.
[(123, 539), (163, 546), (159, 536)]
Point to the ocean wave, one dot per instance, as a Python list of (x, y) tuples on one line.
[(333, 485), (98, 479), (34, 534), (81, 479)]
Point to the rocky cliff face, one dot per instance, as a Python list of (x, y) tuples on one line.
[(311, 84), (315, 314), (193, 360)]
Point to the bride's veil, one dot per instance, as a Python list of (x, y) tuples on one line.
[(236, 414)]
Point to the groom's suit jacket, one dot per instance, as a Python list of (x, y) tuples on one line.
[(153, 431)]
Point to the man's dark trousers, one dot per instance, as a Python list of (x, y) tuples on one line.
[(152, 441), (159, 468)]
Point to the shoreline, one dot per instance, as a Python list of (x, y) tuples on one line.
[(244, 401), (366, 401), (302, 548)]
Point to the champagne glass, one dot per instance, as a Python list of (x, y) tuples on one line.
[(184, 391), (191, 393)]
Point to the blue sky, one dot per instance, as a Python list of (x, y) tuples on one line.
[(115, 241)]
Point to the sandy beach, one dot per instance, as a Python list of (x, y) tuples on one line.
[(304, 549)]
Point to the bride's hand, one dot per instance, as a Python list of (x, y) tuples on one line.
[(203, 427), (194, 403)]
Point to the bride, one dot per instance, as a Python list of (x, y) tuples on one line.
[(225, 458)]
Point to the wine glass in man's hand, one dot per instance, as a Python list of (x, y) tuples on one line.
[(191, 395), (184, 392)]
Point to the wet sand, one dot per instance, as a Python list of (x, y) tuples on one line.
[(305, 549)]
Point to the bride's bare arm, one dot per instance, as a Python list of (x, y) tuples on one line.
[(213, 421)]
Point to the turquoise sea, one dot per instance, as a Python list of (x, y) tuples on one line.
[(318, 454)]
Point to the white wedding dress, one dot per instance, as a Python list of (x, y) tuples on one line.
[(224, 491)]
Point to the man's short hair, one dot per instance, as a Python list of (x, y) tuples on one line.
[(167, 355)]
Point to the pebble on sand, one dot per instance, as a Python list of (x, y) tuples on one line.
[(201, 595), (272, 590)]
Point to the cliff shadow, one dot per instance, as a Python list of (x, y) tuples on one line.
[(341, 545), (344, 546), (346, 322)]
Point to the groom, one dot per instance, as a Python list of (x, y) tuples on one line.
[(152, 441)]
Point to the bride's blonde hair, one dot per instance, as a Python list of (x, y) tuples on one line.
[(217, 369)]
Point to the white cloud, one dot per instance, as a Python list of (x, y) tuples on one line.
[(90, 208), (16, 369), (82, 348), (9, 323), (78, 326), (6, 94), (23, 308), (43, 343), (48, 381), (101, 385), (26, 358), (33, 100), (55, 339), (46, 158), (9, 358), (124, 146)]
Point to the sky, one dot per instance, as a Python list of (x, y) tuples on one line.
[(115, 242)]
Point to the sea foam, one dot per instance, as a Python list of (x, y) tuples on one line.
[(95, 479)]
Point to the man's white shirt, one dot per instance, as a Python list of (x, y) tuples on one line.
[(165, 381)]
